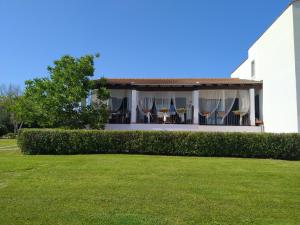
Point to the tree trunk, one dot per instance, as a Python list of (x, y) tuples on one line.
[(17, 127), (20, 127)]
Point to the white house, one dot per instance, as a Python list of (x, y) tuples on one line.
[(274, 59), (262, 94)]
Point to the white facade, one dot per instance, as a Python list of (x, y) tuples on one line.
[(275, 59), (296, 10)]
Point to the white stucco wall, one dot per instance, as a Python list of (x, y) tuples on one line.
[(274, 58), (296, 10), (243, 71)]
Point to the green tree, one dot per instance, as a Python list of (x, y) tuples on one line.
[(98, 108), (9, 118), (59, 100)]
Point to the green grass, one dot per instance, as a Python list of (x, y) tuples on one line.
[(137, 189)]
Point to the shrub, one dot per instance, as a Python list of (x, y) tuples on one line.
[(3, 129), (9, 136), (247, 145)]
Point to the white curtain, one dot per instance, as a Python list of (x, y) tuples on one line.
[(115, 104), (221, 101), (129, 100), (116, 99), (163, 102), (244, 102), (183, 100), (180, 103), (227, 102), (209, 101), (145, 103), (162, 99)]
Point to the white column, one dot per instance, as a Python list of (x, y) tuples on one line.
[(133, 106), (196, 106), (252, 106)]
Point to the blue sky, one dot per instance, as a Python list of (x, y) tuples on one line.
[(136, 38)]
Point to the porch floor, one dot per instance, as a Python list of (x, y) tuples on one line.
[(184, 127)]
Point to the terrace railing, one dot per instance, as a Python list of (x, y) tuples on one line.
[(231, 119)]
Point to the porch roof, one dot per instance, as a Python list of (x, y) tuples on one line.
[(181, 83)]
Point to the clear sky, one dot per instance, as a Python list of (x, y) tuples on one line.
[(136, 38)]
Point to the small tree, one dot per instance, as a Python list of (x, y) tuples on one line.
[(58, 100)]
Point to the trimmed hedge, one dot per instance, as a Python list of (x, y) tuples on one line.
[(246, 145)]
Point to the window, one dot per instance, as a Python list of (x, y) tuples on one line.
[(253, 69)]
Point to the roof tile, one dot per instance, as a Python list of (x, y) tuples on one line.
[(178, 81)]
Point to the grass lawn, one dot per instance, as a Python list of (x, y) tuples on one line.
[(137, 189)]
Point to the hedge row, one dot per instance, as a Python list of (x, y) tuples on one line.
[(247, 145)]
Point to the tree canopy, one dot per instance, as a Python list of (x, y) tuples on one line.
[(60, 100)]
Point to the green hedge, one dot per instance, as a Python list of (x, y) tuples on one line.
[(248, 145)]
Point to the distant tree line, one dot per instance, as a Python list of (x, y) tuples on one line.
[(57, 100)]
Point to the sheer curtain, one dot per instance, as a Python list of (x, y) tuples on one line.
[(209, 102), (163, 100), (172, 106), (183, 105), (115, 104), (145, 103), (116, 99), (227, 102), (221, 101), (180, 104), (129, 101), (244, 103)]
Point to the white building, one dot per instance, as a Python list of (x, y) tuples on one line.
[(263, 93), (274, 59)]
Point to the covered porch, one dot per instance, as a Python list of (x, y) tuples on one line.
[(185, 104)]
